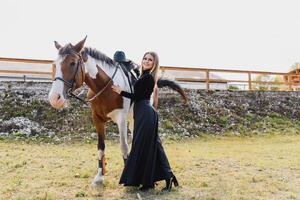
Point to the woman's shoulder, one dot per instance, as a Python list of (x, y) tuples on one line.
[(148, 77)]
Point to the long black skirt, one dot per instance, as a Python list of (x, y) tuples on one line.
[(147, 161)]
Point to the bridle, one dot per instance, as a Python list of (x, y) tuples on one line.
[(71, 84)]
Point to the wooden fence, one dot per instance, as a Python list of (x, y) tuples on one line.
[(287, 83), (286, 77), (12, 74)]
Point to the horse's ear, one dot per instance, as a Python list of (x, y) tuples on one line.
[(57, 45), (79, 46)]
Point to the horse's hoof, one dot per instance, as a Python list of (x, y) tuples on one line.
[(98, 181)]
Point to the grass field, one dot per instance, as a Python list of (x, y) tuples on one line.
[(265, 167)]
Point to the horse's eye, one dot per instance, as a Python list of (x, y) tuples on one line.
[(72, 64)]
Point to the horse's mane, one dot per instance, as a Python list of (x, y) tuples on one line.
[(68, 49), (98, 55)]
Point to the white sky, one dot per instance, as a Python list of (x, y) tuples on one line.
[(259, 35)]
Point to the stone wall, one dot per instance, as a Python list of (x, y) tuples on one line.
[(25, 112)]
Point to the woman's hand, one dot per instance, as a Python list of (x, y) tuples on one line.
[(155, 97), (116, 89)]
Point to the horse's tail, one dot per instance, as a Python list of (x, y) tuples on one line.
[(173, 85)]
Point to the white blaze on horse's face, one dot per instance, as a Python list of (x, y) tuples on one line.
[(57, 93)]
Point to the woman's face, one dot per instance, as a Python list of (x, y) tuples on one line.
[(148, 62)]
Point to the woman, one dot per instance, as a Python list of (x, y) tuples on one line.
[(147, 161)]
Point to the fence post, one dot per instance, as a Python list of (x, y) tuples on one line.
[(249, 81), (289, 82), (207, 79)]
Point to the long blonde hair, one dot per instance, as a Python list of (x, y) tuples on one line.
[(155, 68)]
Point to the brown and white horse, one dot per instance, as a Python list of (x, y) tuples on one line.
[(76, 65)]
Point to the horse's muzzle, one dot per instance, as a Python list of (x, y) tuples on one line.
[(57, 101)]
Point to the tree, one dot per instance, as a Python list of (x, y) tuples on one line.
[(233, 87), (295, 69), (296, 65), (268, 78)]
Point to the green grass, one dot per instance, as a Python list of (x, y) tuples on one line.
[(259, 167)]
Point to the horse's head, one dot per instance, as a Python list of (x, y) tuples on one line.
[(67, 72)]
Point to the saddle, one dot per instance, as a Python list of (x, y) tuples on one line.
[(126, 68)]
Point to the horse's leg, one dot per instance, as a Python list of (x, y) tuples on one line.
[(101, 148), (122, 125)]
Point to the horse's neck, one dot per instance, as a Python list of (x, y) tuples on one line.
[(97, 74), (92, 69), (96, 69)]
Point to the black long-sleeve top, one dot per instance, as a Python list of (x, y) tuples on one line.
[(143, 88)]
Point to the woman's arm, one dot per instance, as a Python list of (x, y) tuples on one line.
[(155, 97), (118, 90), (127, 95), (142, 89)]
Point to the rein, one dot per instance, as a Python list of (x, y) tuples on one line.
[(71, 84), (98, 93)]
